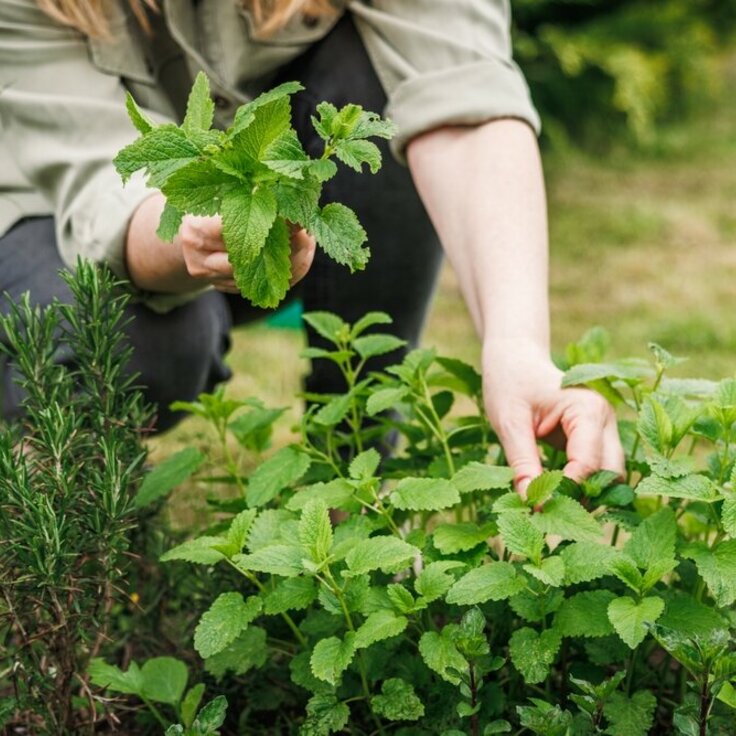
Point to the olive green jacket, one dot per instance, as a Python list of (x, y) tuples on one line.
[(63, 118)]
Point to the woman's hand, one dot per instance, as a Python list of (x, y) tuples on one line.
[(525, 402), (205, 257), (197, 257)]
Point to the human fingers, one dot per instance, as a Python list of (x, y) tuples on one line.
[(516, 433), (302, 254), (583, 423), (612, 456)]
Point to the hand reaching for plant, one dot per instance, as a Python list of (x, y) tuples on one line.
[(524, 402), (206, 259)]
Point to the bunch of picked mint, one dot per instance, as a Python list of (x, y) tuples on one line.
[(258, 178)]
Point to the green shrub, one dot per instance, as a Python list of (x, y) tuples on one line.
[(419, 594), (66, 474)]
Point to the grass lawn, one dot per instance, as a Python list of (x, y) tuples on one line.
[(642, 244)]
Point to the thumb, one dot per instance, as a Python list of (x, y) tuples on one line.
[(520, 447)]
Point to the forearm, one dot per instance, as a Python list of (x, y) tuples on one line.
[(152, 264), (483, 188)]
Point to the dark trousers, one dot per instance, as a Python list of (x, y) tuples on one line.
[(180, 354)]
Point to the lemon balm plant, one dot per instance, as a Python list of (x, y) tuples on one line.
[(419, 594)]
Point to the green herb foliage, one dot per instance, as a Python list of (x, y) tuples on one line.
[(258, 178), (417, 593)]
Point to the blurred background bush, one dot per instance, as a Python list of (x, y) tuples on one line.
[(600, 69)]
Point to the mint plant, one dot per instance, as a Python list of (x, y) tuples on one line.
[(418, 593), (258, 177)]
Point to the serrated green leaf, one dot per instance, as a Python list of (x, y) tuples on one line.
[(424, 494), (481, 477), (453, 538), (520, 535), (626, 570), (717, 566), (297, 201), (169, 224), (633, 371), (693, 487), (369, 320), (369, 346), (271, 120), (533, 653), (631, 619), (401, 599), (315, 531), (728, 515), (550, 571), (654, 539), (225, 619), (364, 465), (388, 554), (335, 494), (654, 425), (340, 234), (200, 106), (585, 561), (566, 518), (168, 474), (433, 581), (331, 657), (248, 651), (327, 325), (492, 582), (379, 626), (287, 466), (276, 559), (141, 122), (291, 594), (212, 715), (355, 153), (371, 125), (585, 614), (334, 411), (161, 152), (200, 551), (440, 654), (688, 617), (190, 704), (397, 701), (542, 487), (386, 398), (286, 156), (632, 716), (239, 528), (164, 680), (198, 188), (325, 715)]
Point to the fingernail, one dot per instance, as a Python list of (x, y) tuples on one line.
[(522, 485)]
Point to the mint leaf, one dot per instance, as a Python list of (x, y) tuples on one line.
[(654, 539), (325, 715), (717, 566), (136, 115), (164, 680), (160, 152), (168, 474), (388, 554), (331, 657), (533, 653), (276, 559), (169, 224), (370, 346), (287, 466), (493, 582), (198, 188), (272, 120), (440, 654), (247, 651), (340, 234), (424, 494), (520, 535), (481, 477), (315, 531), (585, 614), (585, 561), (433, 581), (298, 201), (567, 518), (113, 678), (379, 626), (631, 619), (355, 153), (397, 701), (335, 494), (542, 487), (365, 465), (632, 716), (453, 538), (200, 550), (265, 279), (385, 398), (286, 156), (200, 106), (224, 620), (693, 487), (327, 325), (550, 571), (291, 594)]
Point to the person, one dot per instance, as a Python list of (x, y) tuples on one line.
[(464, 169)]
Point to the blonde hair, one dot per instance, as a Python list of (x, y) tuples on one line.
[(90, 18)]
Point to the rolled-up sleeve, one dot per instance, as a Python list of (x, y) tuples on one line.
[(63, 121), (443, 62)]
